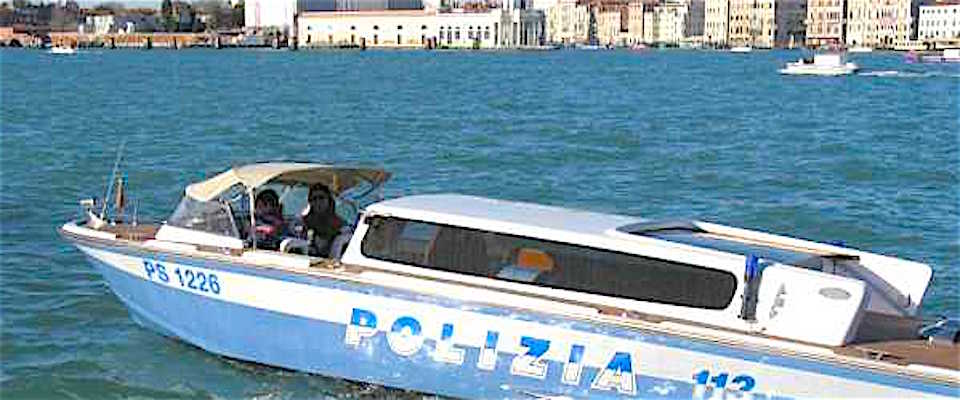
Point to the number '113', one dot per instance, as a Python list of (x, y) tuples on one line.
[(743, 383)]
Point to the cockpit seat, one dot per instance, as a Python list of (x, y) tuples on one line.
[(295, 246), (339, 242), (529, 265)]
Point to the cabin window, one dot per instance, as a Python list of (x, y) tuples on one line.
[(545, 263)]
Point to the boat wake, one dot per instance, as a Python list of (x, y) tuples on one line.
[(909, 74)]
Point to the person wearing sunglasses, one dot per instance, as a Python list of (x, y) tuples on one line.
[(320, 219)]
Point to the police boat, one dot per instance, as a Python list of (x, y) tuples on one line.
[(480, 298)]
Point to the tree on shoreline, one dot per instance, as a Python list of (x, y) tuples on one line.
[(166, 16), (238, 14)]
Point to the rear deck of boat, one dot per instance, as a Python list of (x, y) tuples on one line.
[(896, 340)]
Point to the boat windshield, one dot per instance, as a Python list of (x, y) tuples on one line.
[(212, 216)]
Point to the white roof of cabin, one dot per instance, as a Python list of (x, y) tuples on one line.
[(490, 213), (908, 279)]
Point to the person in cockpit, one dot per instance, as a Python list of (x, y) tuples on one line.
[(320, 219), (268, 215)]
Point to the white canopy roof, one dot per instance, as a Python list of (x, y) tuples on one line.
[(338, 179)]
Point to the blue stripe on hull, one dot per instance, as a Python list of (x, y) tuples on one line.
[(303, 344)]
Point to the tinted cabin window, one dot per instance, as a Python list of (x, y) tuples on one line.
[(545, 263)]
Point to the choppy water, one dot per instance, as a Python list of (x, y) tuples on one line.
[(871, 160)]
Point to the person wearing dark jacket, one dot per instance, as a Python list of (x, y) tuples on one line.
[(320, 219), (268, 215)]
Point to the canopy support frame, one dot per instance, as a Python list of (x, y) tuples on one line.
[(253, 218)]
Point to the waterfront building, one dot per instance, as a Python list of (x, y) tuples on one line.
[(261, 15), (608, 25), (567, 22), (529, 27), (473, 27), (716, 22), (790, 15), (616, 22), (467, 29), (649, 34), (669, 22), (939, 24), (397, 28), (740, 23), (755, 23), (98, 23), (620, 22), (102, 23), (695, 18), (752, 23), (825, 22), (544, 5), (633, 23), (6, 18), (180, 17), (663, 22), (877, 23)]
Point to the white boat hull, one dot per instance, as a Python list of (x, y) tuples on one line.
[(796, 69), (369, 328), (65, 51)]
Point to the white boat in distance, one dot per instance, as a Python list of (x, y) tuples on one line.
[(481, 298), (860, 49), (946, 56), (951, 55), (825, 64), (63, 50), (741, 49)]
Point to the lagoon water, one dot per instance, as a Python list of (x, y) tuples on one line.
[(871, 160)]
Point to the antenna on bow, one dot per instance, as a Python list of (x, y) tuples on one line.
[(113, 182)]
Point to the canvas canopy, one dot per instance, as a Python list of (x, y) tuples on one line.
[(338, 179)]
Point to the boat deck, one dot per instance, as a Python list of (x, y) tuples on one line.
[(137, 233)]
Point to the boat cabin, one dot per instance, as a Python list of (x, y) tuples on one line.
[(685, 270)]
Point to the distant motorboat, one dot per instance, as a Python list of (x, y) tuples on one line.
[(741, 49), (946, 56), (63, 50), (638, 47), (826, 64), (951, 55), (860, 49)]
